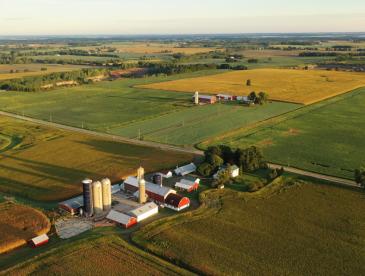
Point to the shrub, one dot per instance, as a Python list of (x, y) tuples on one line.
[(205, 169)]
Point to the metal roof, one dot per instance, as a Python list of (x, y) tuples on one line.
[(74, 203), (184, 170), (150, 187), (143, 209), (183, 186), (118, 217), (40, 239)]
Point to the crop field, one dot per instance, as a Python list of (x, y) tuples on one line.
[(193, 125), (297, 86), (96, 255), (326, 138), (33, 70), (47, 164), (18, 224), (291, 227)]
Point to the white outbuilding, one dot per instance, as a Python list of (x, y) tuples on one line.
[(147, 210)]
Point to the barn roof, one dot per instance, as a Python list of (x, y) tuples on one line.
[(184, 170), (143, 209), (174, 200), (150, 187), (74, 203), (118, 217), (40, 239)]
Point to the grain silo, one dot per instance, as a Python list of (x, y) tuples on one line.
[(107, 194), (142, 191), (97, 198), (157, 179), (196, 97), (88, 197), (140, 173)]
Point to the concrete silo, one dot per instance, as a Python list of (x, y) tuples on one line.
[(97, 198), (196, 97), (107, 194), (88, 197), (142, 191), (140, 173)]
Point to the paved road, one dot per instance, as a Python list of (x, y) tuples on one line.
[(333, 179), (104, 135)]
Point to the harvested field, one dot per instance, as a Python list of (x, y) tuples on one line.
[(48, 164), (33, 70), (297, 86), (288, 228), (19, 224), (93, 255)]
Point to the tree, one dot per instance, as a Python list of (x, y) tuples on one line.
[(223, 178), (360, 177), (215, 161), (262, 98), (252, 96), (248, 83), (205, 169), (249, 159)]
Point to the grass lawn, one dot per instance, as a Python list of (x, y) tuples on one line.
[(287, 228), (101, 251), (298, 86), (48, 164), (327, 137), (18, 224)]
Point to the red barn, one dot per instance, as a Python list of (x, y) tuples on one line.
[(187, 185), (40, 240), (177, 202), (206, 99), (122, 219), (155, 192)]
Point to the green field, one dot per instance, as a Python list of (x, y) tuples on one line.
[(100, 252), (327, 137), (119, 108), (290, 227)]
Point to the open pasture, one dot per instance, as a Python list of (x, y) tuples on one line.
[(327, 137), (297, 86), (18, 224), (293, 228), (47, 164), (27, 70)]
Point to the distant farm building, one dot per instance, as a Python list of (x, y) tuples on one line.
[(177, 202), (145, 211), (72, 205), (122, 219), (155, 192), (205, 99), (224, 97), (40, 240), (188, 185), (185, 170), (234, 171)]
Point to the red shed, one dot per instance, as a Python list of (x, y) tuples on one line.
[(40, 240), (122, 219), (177, 202)]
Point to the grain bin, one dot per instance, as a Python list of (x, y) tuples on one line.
[(107, 194), (88, 197), (97, 198), (142, 191)]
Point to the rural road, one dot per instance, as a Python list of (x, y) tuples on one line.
[(333, 179), (104, 135)]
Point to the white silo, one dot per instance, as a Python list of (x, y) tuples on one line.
[(97, 198), (196, 97), (107, 194)]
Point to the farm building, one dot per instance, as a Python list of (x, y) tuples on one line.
[(234, 171), (185, 170), (40, 240), (188, 185), (145, 211), (206, 99), (72, 205), (122, 219), (155, 192), (225, 97), (177, 202)]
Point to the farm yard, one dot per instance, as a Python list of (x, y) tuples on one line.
[(18, 224), (290, 227), (327, 137), (27, 70), (99, 252), (47, 164), (296, 86)]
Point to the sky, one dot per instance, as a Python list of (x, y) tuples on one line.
[(93, 17)]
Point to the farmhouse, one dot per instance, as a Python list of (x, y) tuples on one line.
[(155, 192), (122, 219), (234, 171), (40, 240), (177, 202), (145, 211), (184, 170), (187, 185)]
